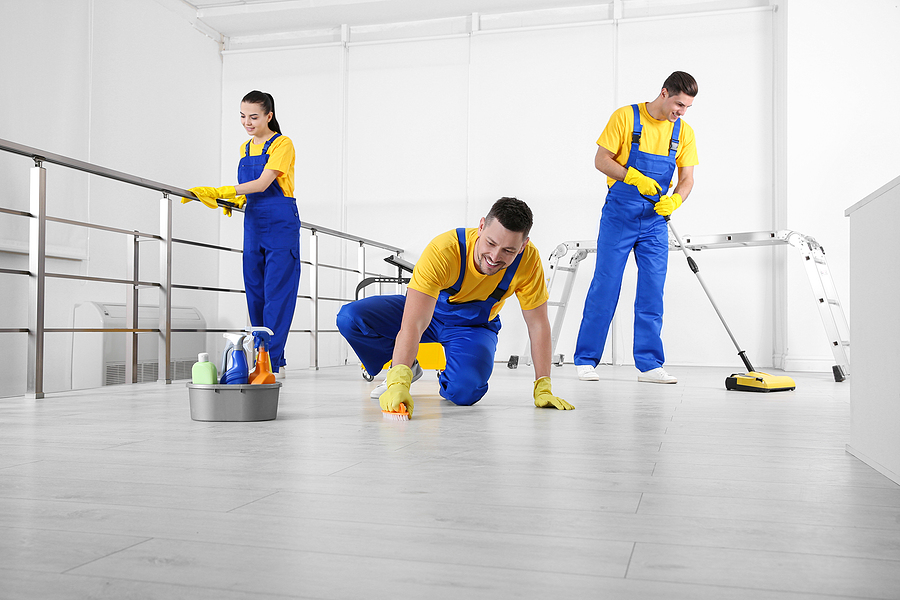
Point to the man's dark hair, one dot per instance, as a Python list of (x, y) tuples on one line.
[(680, 82), (513, 214)]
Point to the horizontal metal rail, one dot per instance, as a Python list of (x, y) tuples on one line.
[(42, 156), (37, 274), (20, 213)]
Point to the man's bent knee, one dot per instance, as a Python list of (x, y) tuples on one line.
[(346, 320), (462, 395)]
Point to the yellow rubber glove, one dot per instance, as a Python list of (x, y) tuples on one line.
[(238, 201), (645, 185), (399, 378), (226, 192), (667, 205), (544, 398), (206, 195)]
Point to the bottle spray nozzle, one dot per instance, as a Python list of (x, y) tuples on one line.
[(262, 336)]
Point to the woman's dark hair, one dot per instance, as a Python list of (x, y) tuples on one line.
[(268, 105), (513, 214), (680, 82)]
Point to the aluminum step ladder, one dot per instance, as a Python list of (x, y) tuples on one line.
[(813, 254), (830, 310), (568, 271)]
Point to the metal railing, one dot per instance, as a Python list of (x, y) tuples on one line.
[(37, 274)]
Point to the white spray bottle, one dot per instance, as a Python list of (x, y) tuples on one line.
[(234, 360)]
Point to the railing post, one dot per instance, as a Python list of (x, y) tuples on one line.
[(131, 310), (37, 258), (361, 264), (314, 304), (165, 290)]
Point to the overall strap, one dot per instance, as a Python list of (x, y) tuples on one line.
[(265, 148), (636, 134), (461, 237), (269, 143), (673, 143)]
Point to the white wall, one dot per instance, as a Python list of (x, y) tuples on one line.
[(841, 141), (437, 129), (128, 86)]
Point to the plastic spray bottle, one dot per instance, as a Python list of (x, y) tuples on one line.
[(262, 374), (234, 360), (204, 372)]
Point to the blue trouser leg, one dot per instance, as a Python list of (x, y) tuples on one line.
[(470, 362), (651, 254), (254, 264), (371, 326), (614, 242), (271, 265)]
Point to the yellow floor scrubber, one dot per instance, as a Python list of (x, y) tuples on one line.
[(752, 380)]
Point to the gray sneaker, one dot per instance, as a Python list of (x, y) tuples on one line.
[(382, 387)]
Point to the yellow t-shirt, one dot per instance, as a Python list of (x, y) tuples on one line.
[(281, 159), (655, 137), (438, 268)]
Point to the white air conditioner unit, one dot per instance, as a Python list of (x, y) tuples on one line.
[(98, 358)]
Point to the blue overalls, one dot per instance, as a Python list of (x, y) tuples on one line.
[(271, 254), (464, 329), (629, 222)]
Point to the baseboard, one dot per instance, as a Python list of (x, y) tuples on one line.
[(874, 464), (808, 364)]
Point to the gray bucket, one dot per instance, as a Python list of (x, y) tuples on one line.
[(241, 402)]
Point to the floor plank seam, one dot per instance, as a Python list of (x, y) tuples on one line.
[(30, 462), (630, 556), (129, 547), (231, 510)]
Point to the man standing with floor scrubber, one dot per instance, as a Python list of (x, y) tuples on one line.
[(638, 152), (457, 290)]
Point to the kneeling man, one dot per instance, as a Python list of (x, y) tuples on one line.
[(457, 290)]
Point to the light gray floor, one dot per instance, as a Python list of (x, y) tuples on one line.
[(643, 491)]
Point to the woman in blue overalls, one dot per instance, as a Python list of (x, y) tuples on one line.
[(271, 258)]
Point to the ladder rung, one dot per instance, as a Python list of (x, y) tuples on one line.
[(556, 303)]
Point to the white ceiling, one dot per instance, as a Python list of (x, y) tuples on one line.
[(238, 18)]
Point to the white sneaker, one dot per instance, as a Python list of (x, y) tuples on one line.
[(586, 373), (382, 387), (657, 375), (280, 374)]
